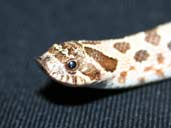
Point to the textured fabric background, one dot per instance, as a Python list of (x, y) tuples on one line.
[(29, 99)]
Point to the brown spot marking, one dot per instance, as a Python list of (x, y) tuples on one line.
[(141, 80), (62, 77), (146, 69), (74, 80), (108, 63), (91, 42), (91, 72), (131, 68), (71, 46), (93, 75), (57, 54), (52, 50), (53, 73), (152, 37), (122, 77), (61, 57), (67, 77), (169, 45), (160, 58), (141, 55), (123, 47), (159, 72)]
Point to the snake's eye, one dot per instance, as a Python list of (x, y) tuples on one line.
[(72, 64)]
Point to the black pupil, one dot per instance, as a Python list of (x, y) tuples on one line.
[(72, 64)]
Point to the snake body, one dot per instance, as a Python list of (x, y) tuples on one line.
[(118, 63)]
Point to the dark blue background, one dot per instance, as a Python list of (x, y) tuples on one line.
[(29, 99)]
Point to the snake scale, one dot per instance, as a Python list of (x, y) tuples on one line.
[(117, 63)]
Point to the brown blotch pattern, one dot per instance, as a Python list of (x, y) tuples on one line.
[(74, 79), (71, 46), (52, 50), (132, 68), (108, 63), (57, 54), (159, 72), (93, 75), (141, 55), (123, 47), (152, 37), (169, 45), (122, 77), (60, 56), (91, 72), (67, 78), (146, 69), (91, 42), (160, 58)]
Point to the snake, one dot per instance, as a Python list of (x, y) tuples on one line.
[(130, 61)]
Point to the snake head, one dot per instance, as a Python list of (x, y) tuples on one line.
[(69, 64)]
